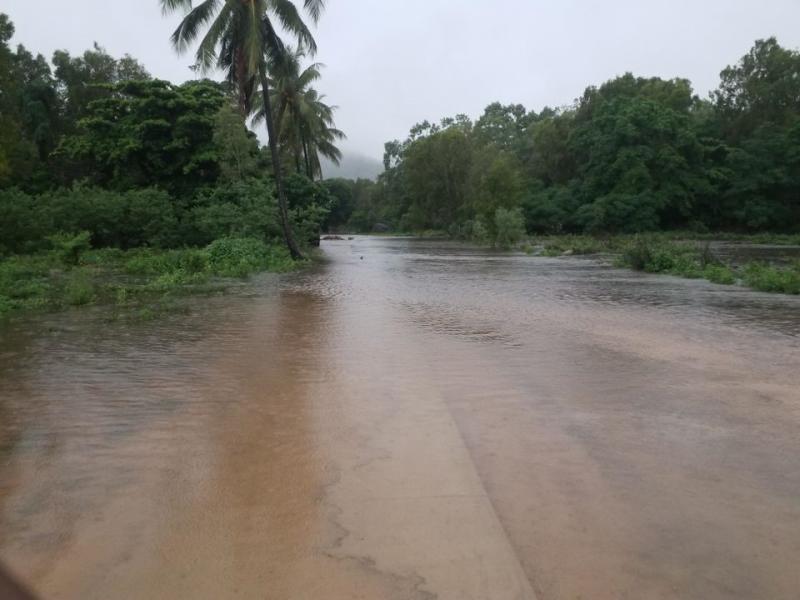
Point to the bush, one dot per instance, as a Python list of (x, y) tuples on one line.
[(307, 223), (121, 219), (239, 257), (244, 209), (69, 248), (637, 255), (150, 219), (622, 212), (25, 223), (510, 227), (654, 256), (719, 274), (474, 231), (766, 278), (159, 262), (78, 290), (548, 210), (23, 277)]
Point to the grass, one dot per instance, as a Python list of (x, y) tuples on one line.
[(678, 253), (766, 278), (142, 281), (658, 256)]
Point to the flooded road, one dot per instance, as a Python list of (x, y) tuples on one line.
[(410, 420)]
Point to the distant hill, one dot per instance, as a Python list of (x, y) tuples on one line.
[(353, 166)]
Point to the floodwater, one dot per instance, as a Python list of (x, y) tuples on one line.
[(410, 420)]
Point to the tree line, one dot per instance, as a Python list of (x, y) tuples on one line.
[(634, 154), (93, 143)]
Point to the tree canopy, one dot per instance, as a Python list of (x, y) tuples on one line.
[(633, 154)]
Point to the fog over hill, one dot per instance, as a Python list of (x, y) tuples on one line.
[(354, 165)]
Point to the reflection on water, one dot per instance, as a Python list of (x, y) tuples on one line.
[(605, 434)]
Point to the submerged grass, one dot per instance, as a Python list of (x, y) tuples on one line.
[(685, 255), (143, 281), (656, 256)]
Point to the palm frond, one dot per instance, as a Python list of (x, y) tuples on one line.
[(206, 56), (291, 21), (170, 6), (314, 8), (189, 28)]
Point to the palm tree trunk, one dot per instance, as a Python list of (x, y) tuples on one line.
[(288, 235), (305, 156)]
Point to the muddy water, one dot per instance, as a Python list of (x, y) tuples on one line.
[(430, 421)]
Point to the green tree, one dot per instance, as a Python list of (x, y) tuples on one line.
[(505, 127), (437, 168), (304, 121), (237, 146), (641, 163), (757, 111), (18, 153), (148, 133), (496, 182), (242, 38), (83, 79), (342, 190), (763, 87)]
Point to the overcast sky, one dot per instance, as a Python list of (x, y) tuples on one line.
[(392, 63)]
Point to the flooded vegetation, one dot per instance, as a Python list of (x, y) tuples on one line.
[(410, 419)]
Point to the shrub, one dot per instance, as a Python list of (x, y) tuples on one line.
[(244, 209), (69, 247), (621, 212), (307, 223), (719, 274), (638, 254), (474, 231), (239, 257), (121, 219), (548, 210), (768, 278), (78, 290), (160, 262), (150, 219), (25, 222), (6, 305), (510, 227)]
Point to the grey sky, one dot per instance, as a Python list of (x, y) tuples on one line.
[(393, 63)]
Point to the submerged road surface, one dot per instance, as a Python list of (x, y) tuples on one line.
[(429, 422)]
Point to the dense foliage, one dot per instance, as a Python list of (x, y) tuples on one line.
[(633, 154), (93, 144)]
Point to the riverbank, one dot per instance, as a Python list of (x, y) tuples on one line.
[(685, 255), (143, 281)]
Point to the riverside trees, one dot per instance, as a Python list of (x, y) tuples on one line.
[(634, 154)]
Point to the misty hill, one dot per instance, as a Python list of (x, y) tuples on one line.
[(353, 166)]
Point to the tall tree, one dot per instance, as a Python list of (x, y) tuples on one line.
[(321, 134), (763, 87), (241, 37), (305, 122), (84, 79)]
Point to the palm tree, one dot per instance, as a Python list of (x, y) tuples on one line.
[(240, 37), (305, 123), (321, 135)]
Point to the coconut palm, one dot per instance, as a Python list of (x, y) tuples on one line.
[(304, 121), (321, 135), (241, 37)]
